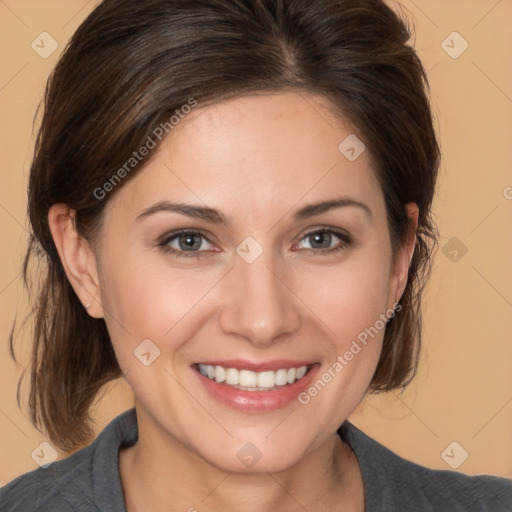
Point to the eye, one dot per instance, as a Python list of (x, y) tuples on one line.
[(187, 243), (321, 241), (182, 242)]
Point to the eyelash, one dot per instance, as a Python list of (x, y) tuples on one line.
[(346, 241)]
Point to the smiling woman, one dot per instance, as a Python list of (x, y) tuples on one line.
[(252, 276)]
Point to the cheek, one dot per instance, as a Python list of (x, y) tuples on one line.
[(150, 301), (349, 299), (352, 310), (144, 298)]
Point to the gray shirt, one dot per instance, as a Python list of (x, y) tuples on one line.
[(89, 481)]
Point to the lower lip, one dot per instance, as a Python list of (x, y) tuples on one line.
[(257, 401)]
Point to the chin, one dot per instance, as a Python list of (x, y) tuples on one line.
[(269, 464)]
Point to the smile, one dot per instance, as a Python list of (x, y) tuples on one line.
[(248, 380)]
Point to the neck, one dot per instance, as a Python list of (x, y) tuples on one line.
[(163, 474)]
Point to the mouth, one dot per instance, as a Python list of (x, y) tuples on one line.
[(255, 387), (248, 380)]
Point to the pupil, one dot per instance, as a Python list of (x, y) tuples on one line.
[(189, 242), (322, 239)]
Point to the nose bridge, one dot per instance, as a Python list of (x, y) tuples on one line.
[(259, 306)]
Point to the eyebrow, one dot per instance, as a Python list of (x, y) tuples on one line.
[(215, 217)]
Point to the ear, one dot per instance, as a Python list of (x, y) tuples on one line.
[(78, 259), (403, 257)]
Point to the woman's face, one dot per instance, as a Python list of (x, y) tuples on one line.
[(263, 282)]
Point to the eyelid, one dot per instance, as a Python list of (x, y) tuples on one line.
[(337, 231), (175, 233), (341, 234), (345, 238), (164, 241)]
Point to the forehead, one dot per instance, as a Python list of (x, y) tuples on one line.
[(261, 152)]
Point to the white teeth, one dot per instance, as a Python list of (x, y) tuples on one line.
[(266, 379), (220, 374), (301, 372), (247, 379), (232, 376), (281, 377), (253, 381), (292, 372)]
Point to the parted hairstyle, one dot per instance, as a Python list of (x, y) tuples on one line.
[(127, 69)]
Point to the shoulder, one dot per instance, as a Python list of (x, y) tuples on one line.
[(83, 481), (394, 483)]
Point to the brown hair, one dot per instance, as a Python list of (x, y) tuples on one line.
[(130, 66)]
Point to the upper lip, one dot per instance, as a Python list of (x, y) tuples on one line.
[(262, 366)]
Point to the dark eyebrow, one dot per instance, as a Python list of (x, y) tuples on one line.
[(197, 212), (317, 208), (212, 215)]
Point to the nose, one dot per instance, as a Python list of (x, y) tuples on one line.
[(259, 305)]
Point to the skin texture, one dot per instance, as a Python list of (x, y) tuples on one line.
[(257, 160)]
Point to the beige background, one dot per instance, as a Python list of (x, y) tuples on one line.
[(464, 389)]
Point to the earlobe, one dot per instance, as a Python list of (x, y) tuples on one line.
[(77, 257), (406, 252)]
